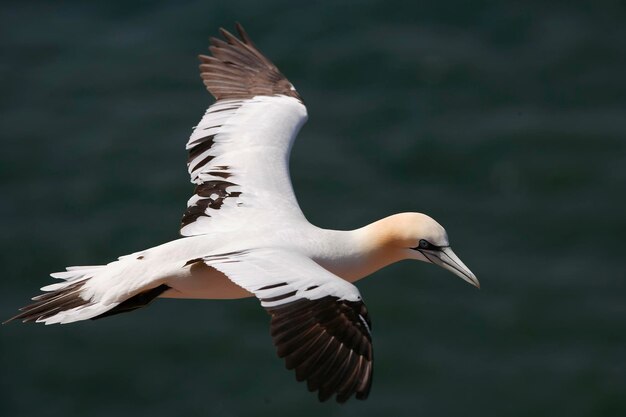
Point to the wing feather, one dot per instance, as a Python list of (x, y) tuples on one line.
[(319, 323), (245, 136)]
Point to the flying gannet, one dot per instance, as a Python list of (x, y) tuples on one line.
[(244, 235)]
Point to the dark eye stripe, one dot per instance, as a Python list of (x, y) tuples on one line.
[(426, 245)]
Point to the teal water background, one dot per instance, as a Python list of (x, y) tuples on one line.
[(506, 121)]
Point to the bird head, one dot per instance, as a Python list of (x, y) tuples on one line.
[(418, 236)]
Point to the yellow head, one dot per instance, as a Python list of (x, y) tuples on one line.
[(417, 236)]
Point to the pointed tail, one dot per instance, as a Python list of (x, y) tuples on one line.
[(64, 302), (69, 300)]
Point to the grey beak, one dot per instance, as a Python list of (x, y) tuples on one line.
[(446, 258)]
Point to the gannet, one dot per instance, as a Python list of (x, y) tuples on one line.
[(244, 235)]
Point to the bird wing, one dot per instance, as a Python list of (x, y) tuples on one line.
[(239, 152), (319, 323)]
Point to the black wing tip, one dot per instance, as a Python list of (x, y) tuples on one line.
[(232, 39), (342, 398), (225, 33), (238, 69), (327, 345), (243, 35)]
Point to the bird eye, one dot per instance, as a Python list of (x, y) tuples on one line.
[(424, 244)]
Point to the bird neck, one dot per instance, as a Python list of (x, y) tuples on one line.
[(361, 252)]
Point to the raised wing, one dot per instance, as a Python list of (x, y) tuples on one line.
[(239, 153), (319, 324)]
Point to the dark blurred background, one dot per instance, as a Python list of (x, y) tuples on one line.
[(506, 121)]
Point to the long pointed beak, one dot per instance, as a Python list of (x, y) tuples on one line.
[(447, 259)]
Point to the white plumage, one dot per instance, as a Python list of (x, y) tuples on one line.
[(245, 235)]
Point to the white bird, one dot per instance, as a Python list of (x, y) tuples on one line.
[(245, 235)]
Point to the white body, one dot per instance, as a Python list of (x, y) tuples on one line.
[(265, 216), (245, 235)]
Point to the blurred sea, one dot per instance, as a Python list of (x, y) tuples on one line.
[(506, 121)]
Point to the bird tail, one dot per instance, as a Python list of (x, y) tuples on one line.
[(66, 301), (73, 299)]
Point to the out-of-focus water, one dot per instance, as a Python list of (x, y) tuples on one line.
[(506, 121)]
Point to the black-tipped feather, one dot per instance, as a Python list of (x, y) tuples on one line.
[(135, 302), (295, 358), (351, 381), (336, 375), (323, 365), (50, 303), (328, 344), (238, 70)]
